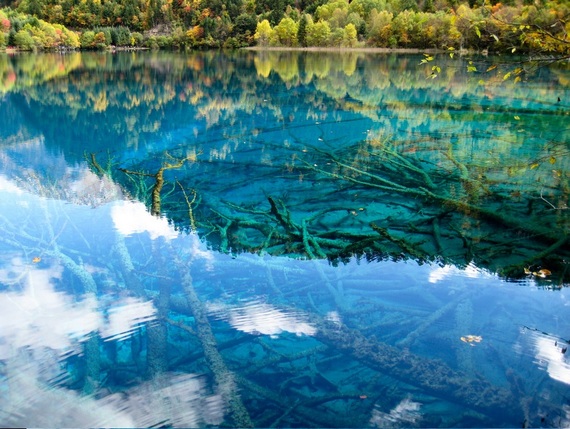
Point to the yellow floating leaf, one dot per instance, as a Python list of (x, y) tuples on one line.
[(542, 273), (493, 67), (534, 165), (36, 259), (552, 160), (471, 339), (527, 271), (518, 118)]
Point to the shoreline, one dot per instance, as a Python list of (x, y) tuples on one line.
[(345, 49)]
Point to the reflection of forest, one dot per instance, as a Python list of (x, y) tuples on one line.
[(319, 155)]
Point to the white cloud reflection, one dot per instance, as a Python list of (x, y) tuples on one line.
[(405, 414), (171, 400), (132, 217), (550, 357), (125, 317), (36, 315), (470, 271), (256, 317)]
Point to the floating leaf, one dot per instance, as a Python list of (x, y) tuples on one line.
[(36, 259), (534, 165), (527, 271), (517, 79), (493, 67), (472, 339), (552, 160), (507, 75), (426, 59), (518, 118), (542, 273)]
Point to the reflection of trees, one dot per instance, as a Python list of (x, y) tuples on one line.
[(283, 112)]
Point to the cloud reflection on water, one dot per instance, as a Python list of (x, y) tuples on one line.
[(549, 356), (260, 318)]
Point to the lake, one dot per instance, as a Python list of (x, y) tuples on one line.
[(283, 239)]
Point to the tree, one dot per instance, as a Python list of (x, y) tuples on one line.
[(318, 34), (302, 31), (263, 33), (23, 40), (350, 34), (286, 32), (379, 29)]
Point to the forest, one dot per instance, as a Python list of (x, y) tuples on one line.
[(513, 26)]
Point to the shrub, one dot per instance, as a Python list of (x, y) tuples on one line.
[(137, 39), (87, 39)]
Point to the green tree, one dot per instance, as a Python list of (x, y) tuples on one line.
[(318, 34), (365, 7), (263, 33), (302, 31), (379, 29), (87, 39), (350, 36), (286, 32), (326, 11), (23, 40)]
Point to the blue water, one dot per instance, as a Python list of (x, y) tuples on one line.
[(260, 294)]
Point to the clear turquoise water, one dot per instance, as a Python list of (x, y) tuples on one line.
[(337, 242)]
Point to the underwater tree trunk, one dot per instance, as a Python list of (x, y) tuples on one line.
[(224, 378)]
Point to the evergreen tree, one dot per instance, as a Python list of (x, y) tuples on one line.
[(302, 31)]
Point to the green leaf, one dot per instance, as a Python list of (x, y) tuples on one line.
[(478, 32)]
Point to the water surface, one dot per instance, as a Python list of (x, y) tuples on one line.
[(277, 239)]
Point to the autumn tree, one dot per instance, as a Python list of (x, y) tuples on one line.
[(263, 33)]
